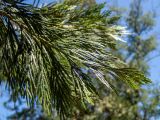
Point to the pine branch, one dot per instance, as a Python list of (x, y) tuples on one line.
[(44, 51)]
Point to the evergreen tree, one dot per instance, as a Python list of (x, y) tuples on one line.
[(45, 52)]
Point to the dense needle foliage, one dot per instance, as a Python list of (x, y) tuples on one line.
[(45, 52)]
